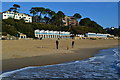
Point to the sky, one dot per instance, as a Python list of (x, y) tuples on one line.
[(104, 13)]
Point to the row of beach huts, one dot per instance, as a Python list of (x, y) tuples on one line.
[(62, 34), (42, 34)]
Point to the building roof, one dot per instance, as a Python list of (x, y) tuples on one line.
[(71, 17), (16, 12), (21, 34)]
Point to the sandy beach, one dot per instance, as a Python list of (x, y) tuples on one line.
[(23, 53)]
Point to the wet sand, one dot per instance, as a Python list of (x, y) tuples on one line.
[(23, 53)]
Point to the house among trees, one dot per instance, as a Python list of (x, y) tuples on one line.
[(11, 14), (70, 21), (22, 36)]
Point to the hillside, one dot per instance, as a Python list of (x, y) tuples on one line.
[(12, 27)]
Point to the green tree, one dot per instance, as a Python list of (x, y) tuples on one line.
[(15, 9), (46, 17), (60, 14), (47, 11), (115, 31), (4, 33), (41, 10), (32, 11), (58, 18), (77, 16), (51, 14), (85, 22), (9, 29)]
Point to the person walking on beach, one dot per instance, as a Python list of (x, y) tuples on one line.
[(57, 43), (73, 42)]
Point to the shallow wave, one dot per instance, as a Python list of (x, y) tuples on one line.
[(106, 64)]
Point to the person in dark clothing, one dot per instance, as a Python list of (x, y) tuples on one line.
[(40, 38), (73, 44), (57, 43)]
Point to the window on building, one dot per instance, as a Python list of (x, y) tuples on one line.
[(21, 36), (24, 17), (4, 15), (10, 17), (11, 13)]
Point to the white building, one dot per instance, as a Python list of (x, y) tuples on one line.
[(51, 34), (80, 35), (11, 14), (97, 35), (22, 36)]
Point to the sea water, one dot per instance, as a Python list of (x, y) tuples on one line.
[(105, 65)]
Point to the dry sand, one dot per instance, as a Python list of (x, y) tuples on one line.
[(23, 53)]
